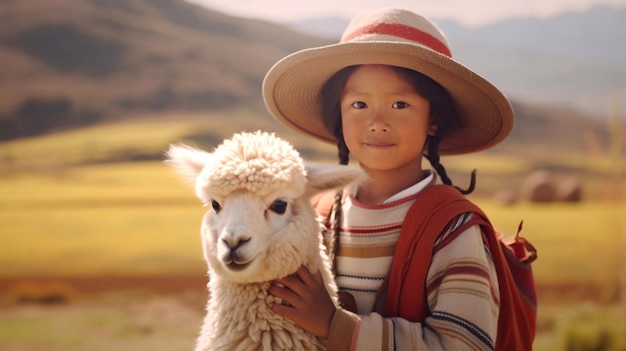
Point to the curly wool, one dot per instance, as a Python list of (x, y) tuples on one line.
[(248, 243), (254, 163)]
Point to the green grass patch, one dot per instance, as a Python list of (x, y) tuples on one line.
[(92, 143), (593, 328), (140, 138)]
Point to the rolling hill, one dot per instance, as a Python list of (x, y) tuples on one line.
[(68, 63)]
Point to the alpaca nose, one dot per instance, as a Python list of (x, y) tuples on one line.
[(235, 256), (233, 243)]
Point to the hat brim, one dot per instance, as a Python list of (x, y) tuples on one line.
[(291, 88)]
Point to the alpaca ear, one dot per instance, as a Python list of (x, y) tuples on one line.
[(322, 177), (187, 161)]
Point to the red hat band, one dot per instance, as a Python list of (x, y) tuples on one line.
[(401, 31)]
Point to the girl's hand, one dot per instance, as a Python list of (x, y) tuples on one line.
[(305, 301)]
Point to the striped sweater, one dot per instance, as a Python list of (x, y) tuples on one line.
[(461, 283)]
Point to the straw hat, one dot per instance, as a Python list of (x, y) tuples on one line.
[(394, 37)]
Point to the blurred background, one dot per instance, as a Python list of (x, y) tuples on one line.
[(99, 240)]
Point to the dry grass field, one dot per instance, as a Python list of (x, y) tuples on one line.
[(99, 240), (98, 253)]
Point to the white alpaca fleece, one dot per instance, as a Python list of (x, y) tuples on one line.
[(261, 163), (261, 227)]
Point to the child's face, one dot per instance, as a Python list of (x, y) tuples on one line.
[(385, 121)]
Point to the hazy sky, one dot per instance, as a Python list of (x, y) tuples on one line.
[(468, 12)]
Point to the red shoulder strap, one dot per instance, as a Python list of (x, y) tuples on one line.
[(433, 209), (406, 297)]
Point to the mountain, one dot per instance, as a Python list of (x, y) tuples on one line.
[(68, 63), (71, 62), (576, 60), (594, 35)]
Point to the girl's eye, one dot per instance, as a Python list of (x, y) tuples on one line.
[(359, 105), (216, 206), (400, 105), (279, 207)]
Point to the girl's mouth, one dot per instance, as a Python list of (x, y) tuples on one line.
[(378, 144)]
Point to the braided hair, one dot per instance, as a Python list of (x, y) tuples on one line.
[(442, 110)]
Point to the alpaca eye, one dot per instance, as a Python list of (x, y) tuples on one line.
[(216, 206), (279, 206)]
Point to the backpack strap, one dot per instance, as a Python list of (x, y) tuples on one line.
[(431, 212), (406, 297)]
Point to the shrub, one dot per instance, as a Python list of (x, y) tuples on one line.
[(594, 329)]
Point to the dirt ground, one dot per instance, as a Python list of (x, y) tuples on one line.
[(155, 313), (112, 323), (101, 314)]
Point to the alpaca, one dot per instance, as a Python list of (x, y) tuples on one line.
[(260, 227)]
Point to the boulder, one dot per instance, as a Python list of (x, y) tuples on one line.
[(538, 187), (570, 190)]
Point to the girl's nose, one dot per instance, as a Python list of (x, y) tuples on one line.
[(378, 124), (378, 128)]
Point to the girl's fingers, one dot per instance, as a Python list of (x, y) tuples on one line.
[(305, 301), (298, 282), (305, 276), (294, 289), (284, 293)]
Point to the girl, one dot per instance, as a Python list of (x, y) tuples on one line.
[(388, 94)]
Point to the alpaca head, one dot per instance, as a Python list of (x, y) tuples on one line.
[(259, 225)]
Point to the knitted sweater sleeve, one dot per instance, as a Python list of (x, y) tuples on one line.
[(463, 298)]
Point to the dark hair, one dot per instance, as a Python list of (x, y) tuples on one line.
[(442, 111)]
